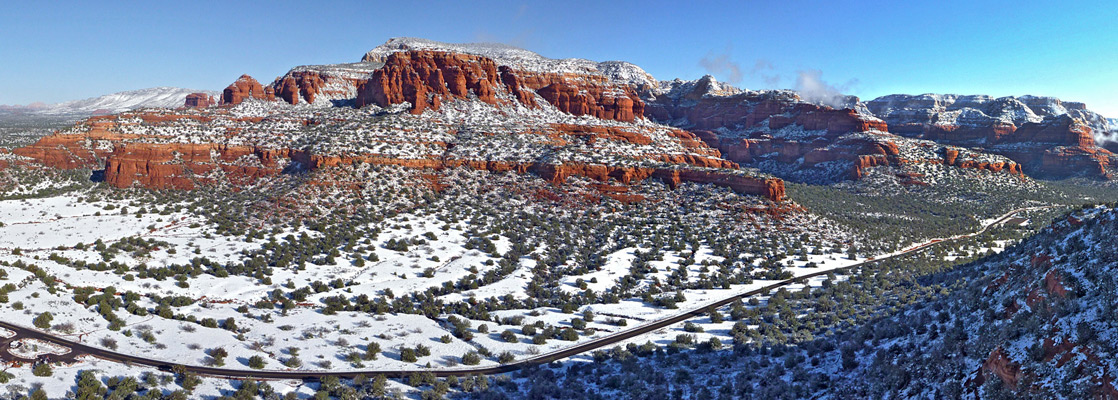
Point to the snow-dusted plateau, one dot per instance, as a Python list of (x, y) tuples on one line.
[(478, 221)]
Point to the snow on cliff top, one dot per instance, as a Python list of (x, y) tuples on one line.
[(1016, 110), (705, 86), (1039, 105), (616, 71)]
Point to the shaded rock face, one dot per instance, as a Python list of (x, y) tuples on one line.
[(1072, 290), (199, 100), (1003, 368), (331, 85), (746, 126), (697, 109)]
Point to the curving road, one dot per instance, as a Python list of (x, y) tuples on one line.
[(79, 348)]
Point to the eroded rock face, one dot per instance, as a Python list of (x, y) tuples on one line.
[(1048, 137), (951, 157), (752, 126), (1040, 136), (592, 95), (578, 101), (199, 100), (333, 85), (62, 151), (246, 88), (1002, 367), (70, 150), (706, 106), (159, 159), (533, 99), (184, 166), (424, 78)]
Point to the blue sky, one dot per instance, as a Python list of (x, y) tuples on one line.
[(56, 51)]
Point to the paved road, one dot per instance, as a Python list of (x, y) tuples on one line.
[(78, 348)]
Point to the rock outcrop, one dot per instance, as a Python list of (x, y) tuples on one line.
[(1001, 367), (223, 144), (326, 85), (592, 100), (707, 105), (1048, 137), (199, 100), (70, 150), (183, 165), (425, 78), (1039, 136), (246, 88)]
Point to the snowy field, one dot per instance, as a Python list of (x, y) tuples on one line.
[(64, 237)]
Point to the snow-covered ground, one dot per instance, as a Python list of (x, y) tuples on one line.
[(50, 247), (42, 229), (64, 377), (33, 348), (164, 97)]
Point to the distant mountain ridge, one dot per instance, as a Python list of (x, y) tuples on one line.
[(163, 96), (1040, 136)]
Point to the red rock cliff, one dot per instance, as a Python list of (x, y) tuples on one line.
[(424, 78), (184, 165), (199, 100), (246, 88)]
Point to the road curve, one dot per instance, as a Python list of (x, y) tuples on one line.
[(24, 332)]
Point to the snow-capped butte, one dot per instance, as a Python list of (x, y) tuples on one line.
[(164, 97), (503, 54)]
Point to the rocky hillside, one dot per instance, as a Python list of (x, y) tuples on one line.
[(1035, 322), (785, 134), (780, 132), (425, 73), (1050, 137), (411, 104), (435, 105)]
